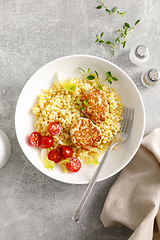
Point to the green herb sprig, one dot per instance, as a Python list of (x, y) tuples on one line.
[(85, 102), (125, 33), (109, 77), (110, 11), (90, 76)]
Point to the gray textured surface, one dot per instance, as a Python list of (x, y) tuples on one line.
[(33, 33)]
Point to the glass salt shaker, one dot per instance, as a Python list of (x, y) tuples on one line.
[(150, 78), (139, 54)]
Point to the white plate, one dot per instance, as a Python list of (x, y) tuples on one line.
[(69, 67)]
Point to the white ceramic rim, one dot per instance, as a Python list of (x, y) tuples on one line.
[(139, 106)]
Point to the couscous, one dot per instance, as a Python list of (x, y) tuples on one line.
[(60, 105)]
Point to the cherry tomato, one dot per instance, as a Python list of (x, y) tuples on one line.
[(54, 128), (66, 151), (47, 142), (55, 155), (74, 164), (35, 139)]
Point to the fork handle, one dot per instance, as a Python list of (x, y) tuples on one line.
[(91, 185)]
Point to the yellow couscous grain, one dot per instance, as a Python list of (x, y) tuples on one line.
[(59, 105)]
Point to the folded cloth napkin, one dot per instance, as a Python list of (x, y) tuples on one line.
[(134, 199)]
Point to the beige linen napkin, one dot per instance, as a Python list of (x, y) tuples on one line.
[(134, 198)]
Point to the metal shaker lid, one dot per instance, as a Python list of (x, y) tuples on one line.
[(141, 51), (154, 75)]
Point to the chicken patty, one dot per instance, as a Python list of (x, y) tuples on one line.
[(85, 134), (97, 107)]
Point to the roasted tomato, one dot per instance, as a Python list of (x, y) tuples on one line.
[(55, 155), (54, 128), (66, 151), (46, 142), (74, 164), (35, 139)]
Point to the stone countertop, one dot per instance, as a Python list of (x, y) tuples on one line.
[(33, 33)]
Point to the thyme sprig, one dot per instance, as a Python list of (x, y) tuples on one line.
[(110, 11), (85, 102), (109, 77), (91, 76), (125, 33)]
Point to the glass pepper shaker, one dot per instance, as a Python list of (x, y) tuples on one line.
[(139, 54), (150, 78)]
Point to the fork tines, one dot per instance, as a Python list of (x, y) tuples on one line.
[(127, 121)]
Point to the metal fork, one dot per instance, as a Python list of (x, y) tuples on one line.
[(126, 126)]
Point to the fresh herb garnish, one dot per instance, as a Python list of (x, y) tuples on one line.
[(110, 11), (78, 101), (109, 77), (89, 76), (85, 103), (125, 33)]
